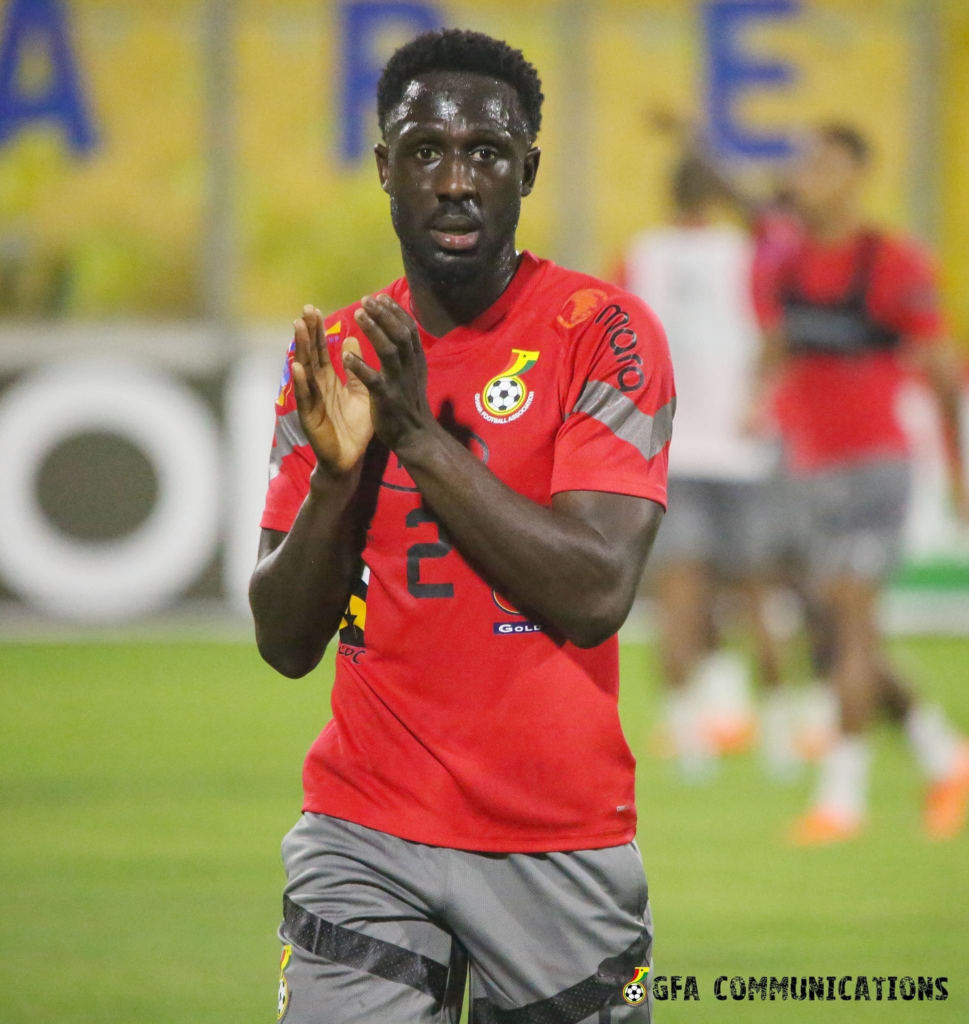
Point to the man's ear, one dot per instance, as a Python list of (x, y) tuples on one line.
[(383, 166), (530, 171)]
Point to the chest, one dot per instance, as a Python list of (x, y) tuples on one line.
[(501, 398)]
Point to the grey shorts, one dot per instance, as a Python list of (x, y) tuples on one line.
[(851, 518), (380, 930), (728, 524)]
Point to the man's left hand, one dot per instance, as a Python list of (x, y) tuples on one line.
[(398, 391)]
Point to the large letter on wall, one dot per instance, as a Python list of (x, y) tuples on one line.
[(363, 24), (40, 26), (731, 72)]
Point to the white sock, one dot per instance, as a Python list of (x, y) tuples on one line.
[(777, 734), (693, 749), (843, 783), (723, 684), (934, 742)]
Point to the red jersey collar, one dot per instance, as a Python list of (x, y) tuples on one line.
[(529, 267)]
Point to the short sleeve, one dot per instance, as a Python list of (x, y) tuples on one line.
[(911, 289), (291, 459), (618, 415), (765, 287)]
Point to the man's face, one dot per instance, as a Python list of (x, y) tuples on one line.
[(456, 162), (827, 177)]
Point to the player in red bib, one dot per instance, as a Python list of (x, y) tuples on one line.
[(849, 311), (467, 474)]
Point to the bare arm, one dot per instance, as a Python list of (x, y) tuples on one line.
[(941, 366), (575, 566), (302, 580)]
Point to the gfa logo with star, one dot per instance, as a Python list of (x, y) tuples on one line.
[(506, 396), (634, 991), (353, 644)]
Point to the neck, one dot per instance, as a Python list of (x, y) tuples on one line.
[(441, 306), (834, 225)]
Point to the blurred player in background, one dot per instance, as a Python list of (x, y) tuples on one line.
[(716, 540), (468, 510), (848, 310)]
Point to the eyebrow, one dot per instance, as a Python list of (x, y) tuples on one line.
[(408, 128)]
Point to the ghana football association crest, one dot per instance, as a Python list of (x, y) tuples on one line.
[(635, 990), (282, 998), (506, 396)]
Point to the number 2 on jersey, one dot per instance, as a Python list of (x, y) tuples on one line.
[(416, 552)]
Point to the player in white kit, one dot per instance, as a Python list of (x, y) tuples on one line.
[(696, 273)]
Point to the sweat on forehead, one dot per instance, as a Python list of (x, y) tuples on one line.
[(446, 96)]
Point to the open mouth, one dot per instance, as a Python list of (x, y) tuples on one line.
[(456, 240)]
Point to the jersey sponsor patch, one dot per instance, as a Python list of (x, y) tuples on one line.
[(354, 622), (515, 628), (506, 396), (286, 382), (503, 603), (624, 342), (579, 306)]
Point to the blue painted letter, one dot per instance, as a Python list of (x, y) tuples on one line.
[(41, 24), (363, 23), (731, 72)]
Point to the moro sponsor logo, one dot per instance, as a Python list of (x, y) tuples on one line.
[(511, 628), (622, 341)]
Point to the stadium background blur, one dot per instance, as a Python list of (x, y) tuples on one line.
[(176, 180)]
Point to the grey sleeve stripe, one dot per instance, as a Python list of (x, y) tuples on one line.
[(608, 405), (288, 435)]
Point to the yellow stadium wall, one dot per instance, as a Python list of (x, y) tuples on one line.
[(121, 230)]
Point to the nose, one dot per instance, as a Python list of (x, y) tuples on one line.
[(456, 178)]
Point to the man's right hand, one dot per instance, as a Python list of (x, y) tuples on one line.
[(335, 418)]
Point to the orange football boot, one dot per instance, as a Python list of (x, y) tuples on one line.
[(733, 734), (813, 742), (822, 826), (947, 801)]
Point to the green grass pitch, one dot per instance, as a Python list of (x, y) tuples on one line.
[(144, 791)]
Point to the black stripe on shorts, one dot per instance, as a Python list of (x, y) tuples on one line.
[(574, 1004), (443, 983)]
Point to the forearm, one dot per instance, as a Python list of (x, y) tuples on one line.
[(950, 404), (942, 368), (299, 591), (553, 567)]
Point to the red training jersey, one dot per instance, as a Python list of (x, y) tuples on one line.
[(456, 721), (834, 408)]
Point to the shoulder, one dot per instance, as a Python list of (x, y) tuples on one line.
[(612, 334), (901, 256), (583, 306)]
